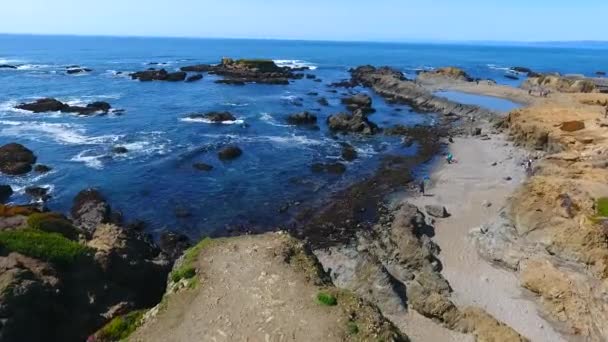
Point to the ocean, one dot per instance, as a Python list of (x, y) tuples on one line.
[(156, 182)]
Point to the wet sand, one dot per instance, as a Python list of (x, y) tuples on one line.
[(474, 191)]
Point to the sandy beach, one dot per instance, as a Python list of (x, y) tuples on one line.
[(474, 190)]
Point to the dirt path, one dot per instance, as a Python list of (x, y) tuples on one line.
[(474, 191), (249, 292)]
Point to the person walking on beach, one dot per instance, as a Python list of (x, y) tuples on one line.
[(449, 158), (421, 186)]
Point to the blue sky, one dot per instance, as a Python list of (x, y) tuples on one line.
[(384, 20)]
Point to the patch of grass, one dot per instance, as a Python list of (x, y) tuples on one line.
[(352, 328), (601, 207), (51, 247), (326, 299), (187, 268), (120, 327), (52, 223)]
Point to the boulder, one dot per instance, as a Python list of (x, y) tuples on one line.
[(202, 167), (119, 150), (355, 123), (158, 75), (100, 105), (176, 76), (436, 211), (348, 152), (303, 118), (447, 72), (229, 153), (194, 78), (72, 71), (5, 193), (6, 66), (42, 168), (15, 159), (231, 81), (90, 209), (197, 68), (572, 126)]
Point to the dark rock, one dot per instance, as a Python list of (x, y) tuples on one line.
[(323, 102), (231, 81), (15, 159), (436, 211), (173, 244), (77, 70), (335, 168), (100, 105), (523, 70), (511, 77), (359, 101), (158, 75), (242, 71), (600, 73), (5, 193), (6, 66), (348, 152), (217, 117), (90, 209), (43, 105), (194, 78), (313, 93), (37, 193), (303, 118), (120, 150), (229, 152), (202, 167), (310, 76), (197, 68), (355, 123), (476, 131)]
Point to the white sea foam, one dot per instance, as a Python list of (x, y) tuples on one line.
[(59, 132), (207, 121), (294, 63), (496, 67), (92, 161), (231, 104), (33, 66), (291, 140), (266, 117)]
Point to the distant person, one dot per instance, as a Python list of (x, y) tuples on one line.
[(530, 92), (606, 112), (421, 186), (449, 158)]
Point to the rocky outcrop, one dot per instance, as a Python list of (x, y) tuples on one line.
[(451, 73), (53, 105), (194, 78), (16, 159), (561, 84), (77, 70), (359, 101), (395, 266), (335, 168), (158, 75), (6, 191), (90, 209), (303, 118), (351, 123), (393, 86), (348, 153), (523, 70), (242, 71)]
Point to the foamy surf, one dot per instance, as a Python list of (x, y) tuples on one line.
[(294, 63), (207, 121), (59, 132), (267, 118)]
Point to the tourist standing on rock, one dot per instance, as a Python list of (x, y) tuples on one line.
[(421, 186)]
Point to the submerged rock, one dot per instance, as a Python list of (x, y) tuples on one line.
[(158, 75), (335, 168), (359, 101), (119, 150), (16, 159), (194, 78), (348, 152), (229, 153), (202, 167), (303, 118)]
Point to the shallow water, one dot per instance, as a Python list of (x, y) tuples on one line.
[(156, 178), (489, 102)]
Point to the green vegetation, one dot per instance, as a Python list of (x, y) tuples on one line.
[(601, 207), (52, 223), (327, 299), (120, 327), (50, 247), (187, 268), (352, 328)]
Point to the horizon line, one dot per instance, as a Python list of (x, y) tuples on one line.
[(405, 40)]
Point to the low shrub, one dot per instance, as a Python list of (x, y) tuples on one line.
[(352, 328), (601, 207), (327, 299), (120, 327), (51, 247), (52, 223), (187, 268)]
